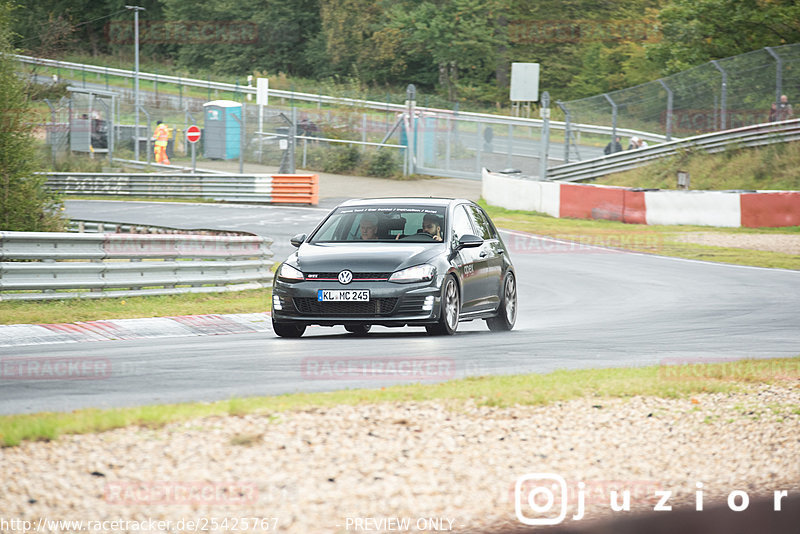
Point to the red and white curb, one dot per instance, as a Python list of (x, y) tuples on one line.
[(120, 329)]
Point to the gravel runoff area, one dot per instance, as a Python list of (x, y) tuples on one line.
[(786, 243), (451, 466)]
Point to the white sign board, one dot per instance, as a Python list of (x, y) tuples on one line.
[(262, 91), (524, 82)]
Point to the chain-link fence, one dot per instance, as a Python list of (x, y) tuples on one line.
[(366, 137), (727, 93)]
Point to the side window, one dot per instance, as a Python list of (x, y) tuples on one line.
[(461, 223), (482, 222)]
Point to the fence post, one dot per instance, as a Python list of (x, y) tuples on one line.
[(778, 73), (669, 109), (567, 132), (545, 135), (292, 140), (613, 123), (363, 131), (411, 101), (723, 104), (52, 130)]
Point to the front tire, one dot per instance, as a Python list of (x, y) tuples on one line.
[(507, 311), (288, 329), (450, 310)]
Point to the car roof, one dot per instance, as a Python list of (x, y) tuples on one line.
[(390, 201)]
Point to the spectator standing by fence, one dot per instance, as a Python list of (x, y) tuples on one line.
[(613, 146)]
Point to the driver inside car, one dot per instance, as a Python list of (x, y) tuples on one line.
[(369, 227), (431, 225)]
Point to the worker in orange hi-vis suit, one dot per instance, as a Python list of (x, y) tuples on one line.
[(161, 135)]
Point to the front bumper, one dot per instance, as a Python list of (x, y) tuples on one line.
[(390, 304)]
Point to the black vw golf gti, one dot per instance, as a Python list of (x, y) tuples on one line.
[(428, 262)]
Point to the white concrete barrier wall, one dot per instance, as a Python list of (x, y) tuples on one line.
[(703, 208), (516, 194), (551, 198)]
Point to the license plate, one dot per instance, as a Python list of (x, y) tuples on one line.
[(343, 295)]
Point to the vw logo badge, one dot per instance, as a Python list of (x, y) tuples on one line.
[(345, 277)]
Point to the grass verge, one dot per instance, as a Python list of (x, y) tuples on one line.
[(662, 240), (768, 167), (75, 309), (534, 389)]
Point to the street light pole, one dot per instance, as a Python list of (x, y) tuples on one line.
[(136, 10)]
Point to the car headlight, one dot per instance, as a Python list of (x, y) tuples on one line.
[(418, 273), (287, 272)]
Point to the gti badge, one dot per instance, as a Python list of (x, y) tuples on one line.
[(345, 277)]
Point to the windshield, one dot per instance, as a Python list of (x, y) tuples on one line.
[(357, 224)]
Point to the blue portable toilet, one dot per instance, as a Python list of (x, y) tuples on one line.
[(221, 135)]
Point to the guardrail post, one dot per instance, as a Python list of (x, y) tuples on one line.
[(669, 109), (724, 97), (613, 122), (778, 73)]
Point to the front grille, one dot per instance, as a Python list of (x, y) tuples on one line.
[(374, 307), (356, 276)]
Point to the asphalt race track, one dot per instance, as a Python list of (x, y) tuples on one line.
[(580, 307)]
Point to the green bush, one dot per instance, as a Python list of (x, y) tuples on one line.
[(341, 159), (383, 164)]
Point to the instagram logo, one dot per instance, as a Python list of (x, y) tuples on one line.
[(540, 497)]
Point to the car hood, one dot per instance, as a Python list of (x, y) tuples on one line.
[(362, 257)]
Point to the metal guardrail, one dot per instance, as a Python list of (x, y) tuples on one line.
[(172, 168), (277, 188), (749, 136), (234, 188), (339, 101), (86, 226), (68, 265)]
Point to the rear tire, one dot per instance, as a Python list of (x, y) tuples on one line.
[(288, 329), (450, 310), (358, 329), (507, 311)]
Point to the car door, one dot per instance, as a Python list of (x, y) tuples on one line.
[(489, 259), (469, 261)]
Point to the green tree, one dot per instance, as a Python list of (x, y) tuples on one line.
[(697, 31), (461, 38), (25, 204)]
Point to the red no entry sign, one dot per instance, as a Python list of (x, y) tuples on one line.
[(193, 134)]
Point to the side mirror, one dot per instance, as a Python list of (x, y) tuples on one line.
[(298, 239), (469, 241)]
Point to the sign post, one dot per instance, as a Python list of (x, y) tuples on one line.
[(193, 136)]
